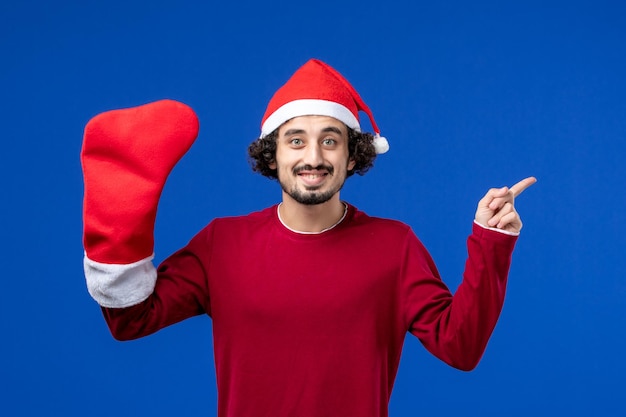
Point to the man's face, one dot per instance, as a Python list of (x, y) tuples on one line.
[(312, 158)]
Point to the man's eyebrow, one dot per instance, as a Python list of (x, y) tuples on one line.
[(332, 129), (294, 132), (327, 129)]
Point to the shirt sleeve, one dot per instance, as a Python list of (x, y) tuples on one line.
[(456, 328), (180, 291)]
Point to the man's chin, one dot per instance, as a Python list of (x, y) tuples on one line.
[(312, 188), (311, 198)]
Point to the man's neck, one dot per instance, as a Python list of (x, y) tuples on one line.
[(313, 218)]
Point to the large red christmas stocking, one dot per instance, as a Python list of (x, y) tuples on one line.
[(126, 157)]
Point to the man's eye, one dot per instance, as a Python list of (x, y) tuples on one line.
[(296, 141), (329, 141)]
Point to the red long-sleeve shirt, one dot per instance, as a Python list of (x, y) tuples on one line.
[(313, 325)]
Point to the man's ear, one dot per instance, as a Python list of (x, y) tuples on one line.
[(351, 164), (272, 165)]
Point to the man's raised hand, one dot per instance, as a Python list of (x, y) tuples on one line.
[(497, 209)]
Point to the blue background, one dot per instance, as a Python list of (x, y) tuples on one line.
[(471, 95)]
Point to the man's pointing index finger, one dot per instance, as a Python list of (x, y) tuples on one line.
[(518, 188)]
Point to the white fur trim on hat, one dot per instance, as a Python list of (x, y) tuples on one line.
[(309, 107)]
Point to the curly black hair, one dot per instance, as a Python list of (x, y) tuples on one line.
[(262, 153)]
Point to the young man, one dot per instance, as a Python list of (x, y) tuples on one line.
[(310, 299)]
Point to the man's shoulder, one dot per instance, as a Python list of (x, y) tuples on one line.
[(255, 217), (360, 218)]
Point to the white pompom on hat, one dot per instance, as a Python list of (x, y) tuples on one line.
[(318, 89)]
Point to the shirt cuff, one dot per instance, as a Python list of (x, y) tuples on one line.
[(495, 229)]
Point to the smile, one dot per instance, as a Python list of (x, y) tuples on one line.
[(312, 179), (312, 176)]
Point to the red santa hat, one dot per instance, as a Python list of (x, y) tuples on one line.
[(318, 89)]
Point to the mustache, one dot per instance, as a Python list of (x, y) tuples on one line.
[(322, 167)]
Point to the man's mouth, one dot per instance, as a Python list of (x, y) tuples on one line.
[(313, 176), (312, 179), (313, 171)]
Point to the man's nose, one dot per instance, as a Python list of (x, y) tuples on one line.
[(313, 155)]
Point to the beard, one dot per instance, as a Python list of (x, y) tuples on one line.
[(310, 195), (310, 198)]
